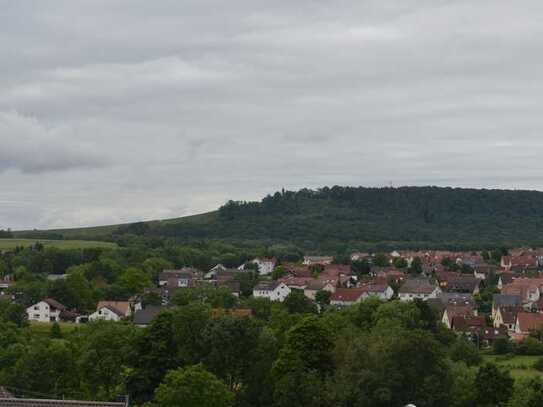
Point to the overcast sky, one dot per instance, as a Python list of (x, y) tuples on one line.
[(115, 111)]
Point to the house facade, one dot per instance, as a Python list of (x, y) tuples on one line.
[(418, 288), (274, 291), (48, 310)]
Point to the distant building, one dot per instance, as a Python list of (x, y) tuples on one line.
[(47, 310), (314, 260), (111, 311), (274, 291), (421, 288)]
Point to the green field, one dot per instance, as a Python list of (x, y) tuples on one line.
[(43, 329), (7, 244), (519, 366)]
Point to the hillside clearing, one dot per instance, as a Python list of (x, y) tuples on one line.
[(8, 244)]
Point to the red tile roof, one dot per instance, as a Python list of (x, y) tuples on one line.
[(529, 321)]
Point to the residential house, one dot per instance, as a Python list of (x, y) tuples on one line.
[(482, 271), (506, 316), (47, 310), (519, 262), (273, 290), (343, 297), (314, 260), (357, 256), (454, 311), (316, 285), (178, 278), (265, 265), (476, 330), (529, 289), (504, 301), (382, 291), (527, 322), (504, 279), (458, 282), (421, 288), (111, 311)]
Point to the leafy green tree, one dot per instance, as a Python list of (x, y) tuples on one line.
[(400, 263), (416, 266), (527, 393), (303, 363), (230, 344), (155, 351), (46, 367), (154, 265), (11, 312), (493, 386), (247, 281), (361, 267), (380, 260), (278, 272), (297, 303), (134, 280), (105, 349), (322, 298), (192, 386), (464, 351)]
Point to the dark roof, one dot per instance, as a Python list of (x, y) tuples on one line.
[(267, 286), (146, 315), (17, 402), (54, 304), (506, 300), (417, 286)]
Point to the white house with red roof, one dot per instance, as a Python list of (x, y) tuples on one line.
[(111, 311)]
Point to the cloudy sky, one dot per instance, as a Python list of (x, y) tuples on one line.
[(115, 111)]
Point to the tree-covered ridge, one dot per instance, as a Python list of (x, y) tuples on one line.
[(358, 214)]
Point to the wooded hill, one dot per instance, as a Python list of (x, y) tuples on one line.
[(359, 217)]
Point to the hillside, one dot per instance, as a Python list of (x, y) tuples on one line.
[(413, 216)]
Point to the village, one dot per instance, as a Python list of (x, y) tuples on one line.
[(476, 296)]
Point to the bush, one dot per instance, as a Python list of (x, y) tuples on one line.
[(502, 347), (538, 364)]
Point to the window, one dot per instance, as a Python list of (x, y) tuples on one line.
[(36, 308)]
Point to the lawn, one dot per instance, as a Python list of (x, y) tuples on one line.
[(7, 244), (43, 329), (519, 366)]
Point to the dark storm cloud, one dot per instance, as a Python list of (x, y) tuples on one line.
[(121, 110)]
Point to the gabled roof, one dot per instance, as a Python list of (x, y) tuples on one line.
[(528, 321), (417, 286), (348, 294), (54, 304), (506, 300), (509, 314), (121, 308), (267, 286), (146, 315)]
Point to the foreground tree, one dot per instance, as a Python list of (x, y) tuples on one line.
[(494, 387), (192, 386)]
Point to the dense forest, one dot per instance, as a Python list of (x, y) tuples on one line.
[(344, 218)]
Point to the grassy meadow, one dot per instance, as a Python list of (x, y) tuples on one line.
[(519, 366), (9, 244)]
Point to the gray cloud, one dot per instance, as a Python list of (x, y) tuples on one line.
[(114, 111), (28, 147)]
